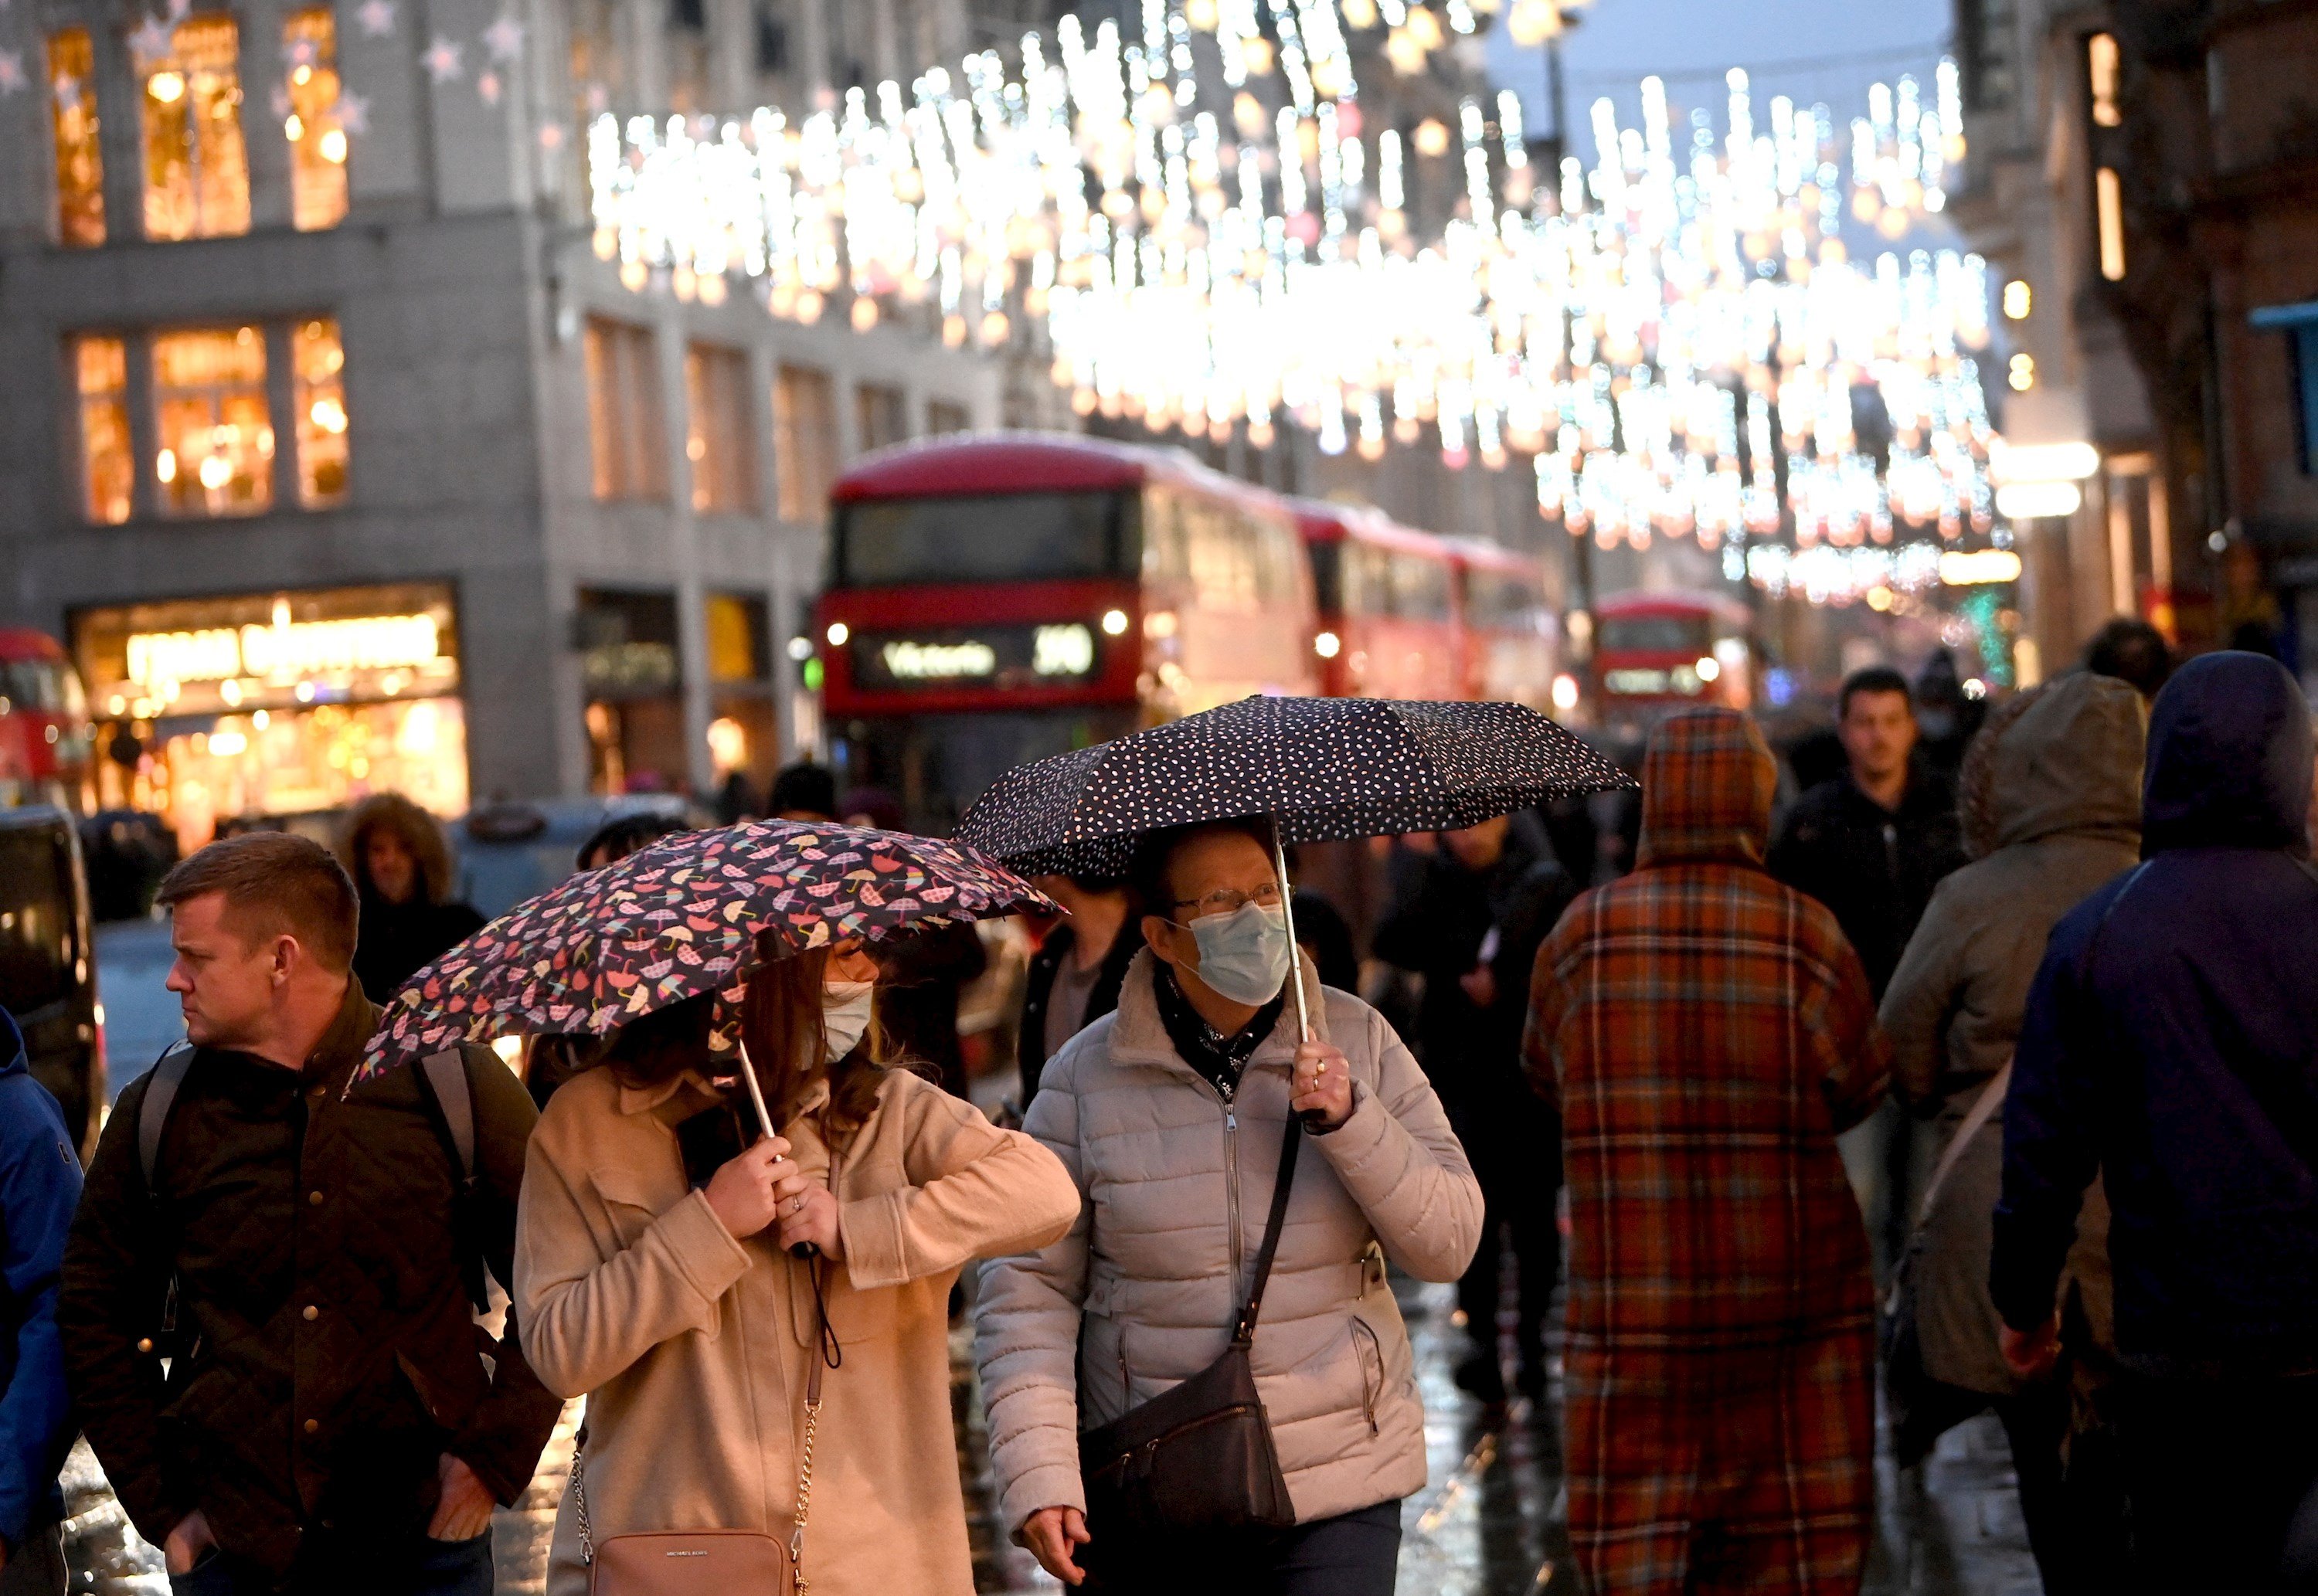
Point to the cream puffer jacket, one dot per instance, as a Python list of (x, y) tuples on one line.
[(1176, 1188)]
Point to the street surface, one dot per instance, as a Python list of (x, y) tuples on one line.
[(1490, 1522)]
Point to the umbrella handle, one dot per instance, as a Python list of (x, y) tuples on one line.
[(1310, 1117), (765, 1126)]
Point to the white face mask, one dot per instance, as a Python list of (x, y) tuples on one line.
[(845, 1015)]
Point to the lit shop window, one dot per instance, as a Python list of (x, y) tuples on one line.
[(108, 467), (626, 442), (716, 428), (317, 143), (319, 362), (216, 453), (196, 173), (80, 162)]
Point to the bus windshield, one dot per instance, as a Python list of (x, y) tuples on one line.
[(1005, 537), (1653, 635)]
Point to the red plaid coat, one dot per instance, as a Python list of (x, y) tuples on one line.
[(1706, 1032)]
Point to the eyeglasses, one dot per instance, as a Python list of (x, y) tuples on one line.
[(1228, 900)]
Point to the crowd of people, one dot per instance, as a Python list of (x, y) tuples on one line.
[(1987, 1070)]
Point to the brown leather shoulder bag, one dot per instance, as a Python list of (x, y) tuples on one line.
[(1199, 1456)]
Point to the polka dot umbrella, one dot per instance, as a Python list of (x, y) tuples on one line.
[(1321, 769), (692, 913)]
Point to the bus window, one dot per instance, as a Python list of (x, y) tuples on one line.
[(1166, 554), (1328, 557), (1651, 634), (1227, 567), (1420, 588), (1007, 537), (37, 933), (1498, 601)]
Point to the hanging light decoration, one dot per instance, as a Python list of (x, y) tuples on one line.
[(1676, 335)]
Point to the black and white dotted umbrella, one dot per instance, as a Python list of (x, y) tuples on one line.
[(1320, 769), (1324, 769)]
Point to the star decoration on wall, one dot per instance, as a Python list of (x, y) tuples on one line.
[(488, 86), (12, 71), (66, 88), (282, 102), (504, 39), (149, 40), (299, 52), (442, 60), (179, 10), (353, 114), (376, 17)]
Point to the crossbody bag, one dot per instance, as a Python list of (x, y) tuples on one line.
[(1200, 1455)]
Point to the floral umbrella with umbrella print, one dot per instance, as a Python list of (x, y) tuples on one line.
[(692, 913)]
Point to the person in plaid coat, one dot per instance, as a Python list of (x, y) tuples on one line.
[(1706, 1033)]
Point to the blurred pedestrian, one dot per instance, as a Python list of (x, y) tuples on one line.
[(1171, 1114), (2133, 651), (803, 791), (655, 1275), (922, 974), (308, 1260), (1077, 972), (2170, 1043), (552, 1059), (1705, 1032), (1871, 844), (2053, 798), (1470, 920), (40, 1182), (1946, 717), (736, 799), (401, 870)]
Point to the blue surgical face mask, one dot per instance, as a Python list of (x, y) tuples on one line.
[(1244, 955)]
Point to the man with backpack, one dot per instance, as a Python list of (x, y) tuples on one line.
[(39, 1181), (269, 1296)]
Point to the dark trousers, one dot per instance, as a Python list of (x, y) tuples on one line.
[(2215, 1472), (420, 1567), (1516, 1156), (37, 1567), (1354, 1554)]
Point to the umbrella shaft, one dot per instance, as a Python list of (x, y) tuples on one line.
[(1294, 949)]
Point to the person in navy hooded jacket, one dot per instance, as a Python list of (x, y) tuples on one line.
[(2171, 1043), (39, 1183)]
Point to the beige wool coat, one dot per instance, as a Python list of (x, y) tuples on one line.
[(1143, 1292), (693, 1347)]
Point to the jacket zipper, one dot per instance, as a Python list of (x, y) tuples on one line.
[(1369, 1388), (1231, 1176)]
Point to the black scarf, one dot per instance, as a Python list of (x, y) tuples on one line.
[(1219, 1059)]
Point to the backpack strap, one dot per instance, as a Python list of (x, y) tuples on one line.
[(451, 1101), (446, 1075), (169, 1073)]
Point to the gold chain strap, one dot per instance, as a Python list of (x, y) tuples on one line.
[(804, 1490), (579, 1501)]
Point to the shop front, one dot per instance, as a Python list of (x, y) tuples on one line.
[(271, 706)]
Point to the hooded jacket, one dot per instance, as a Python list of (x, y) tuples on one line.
[(2063, 804), (40, 1182), (1706, 1032), (2171, 1043)]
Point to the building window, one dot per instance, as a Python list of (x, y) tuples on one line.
[(2108, 211), (80, 161), (2100, 72), (630, 669), (318, 363), (317, 143), (216, 453), (804, 430), (942, 416), (108, 466), (881, 415), (197, 172), (716, 429), (626, 438)]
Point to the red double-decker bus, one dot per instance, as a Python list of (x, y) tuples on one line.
[(44, 724), (1658, 650), (1387, 598), (1000, 598)]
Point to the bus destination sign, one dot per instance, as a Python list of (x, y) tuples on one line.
[(981, 656)]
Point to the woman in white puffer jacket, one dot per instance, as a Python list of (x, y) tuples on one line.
[(1170, 1115)]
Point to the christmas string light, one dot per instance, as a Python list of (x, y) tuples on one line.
[(1676, 333)]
